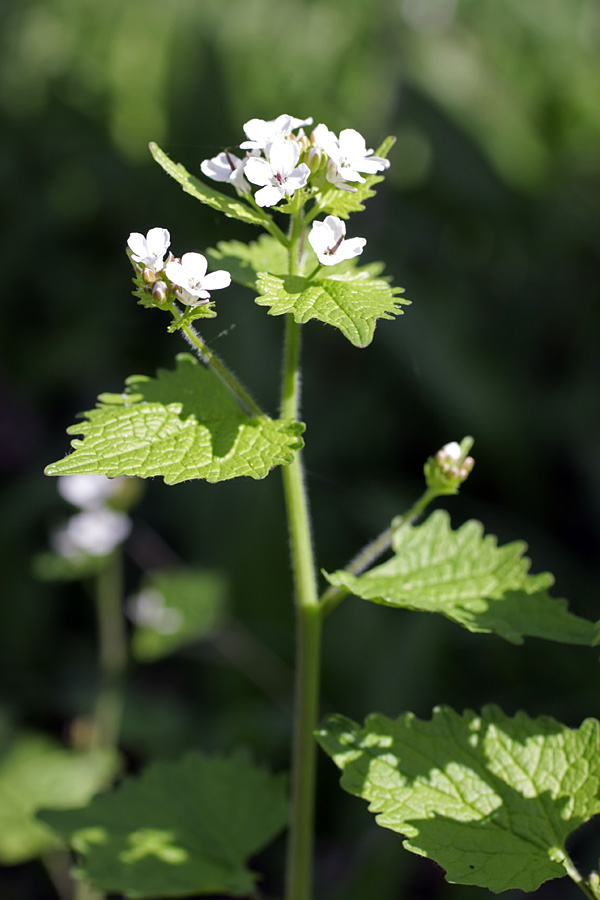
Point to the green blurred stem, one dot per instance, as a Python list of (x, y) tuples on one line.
[(83, 891), (308, 628), (369, 554), (112, 652), (210, 359)]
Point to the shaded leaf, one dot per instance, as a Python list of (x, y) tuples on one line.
[(176, 607), (179, 829), (183, 424), (34, 773), (351, 301), (490, 798), (466, 577), (234, 209)]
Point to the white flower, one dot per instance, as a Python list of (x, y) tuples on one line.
[(150, 250), (93, 533), (88, 492), (280, 174), (189, 274), (261, 133), (149, 610), (348, 155), (226, 167), (327, 240)]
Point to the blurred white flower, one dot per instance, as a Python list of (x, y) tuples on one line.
[(89, 492), (226, 167), (92, 533), (150, 251), (327, 240), (279, 176), (189, 274), (261, 133), (149, 610)]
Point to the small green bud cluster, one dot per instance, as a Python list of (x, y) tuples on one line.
[(451, 465)]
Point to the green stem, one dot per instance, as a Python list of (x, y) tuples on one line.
[(576, 876), (308, 634), (210, 359), (268, 224), (112, 652), (367, 556)]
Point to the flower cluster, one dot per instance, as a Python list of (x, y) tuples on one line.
[(186, 275), (281, 158), (96, 530)]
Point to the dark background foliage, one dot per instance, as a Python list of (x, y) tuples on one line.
[(489, 217)]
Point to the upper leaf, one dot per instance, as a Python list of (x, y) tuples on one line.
[(466, 577), (231, 207), (180, 829), (335, 201), (351, 301), (182, 425), (490, 798), (174, 608), (35, 773)]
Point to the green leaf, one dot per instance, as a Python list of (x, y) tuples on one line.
[(54, 567), (337, 202), (490, 798), (466, 577), (174, 608), (183, 424), (36, 772), (180, 829), (244, 261), (351, 301), (234, 209)]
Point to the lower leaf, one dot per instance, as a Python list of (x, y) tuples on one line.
[(490, 798)]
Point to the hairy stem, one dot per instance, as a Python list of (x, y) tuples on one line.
[(308, 634), (112, 653), (210, 359)]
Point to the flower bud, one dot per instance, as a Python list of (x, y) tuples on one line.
[(149, 276), (451, 465), (159, 291)]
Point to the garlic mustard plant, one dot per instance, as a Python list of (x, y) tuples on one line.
[(491, 798)]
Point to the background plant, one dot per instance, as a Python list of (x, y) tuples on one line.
[(479, 249)]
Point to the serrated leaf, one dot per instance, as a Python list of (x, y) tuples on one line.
[(36, 773), (176, 607), (490, 798), (180, 829), (466, 577), (183, 424), (351, 301), (337, 202), (232, 208)]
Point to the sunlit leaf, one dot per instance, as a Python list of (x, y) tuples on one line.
[(231, 207), (180, 829), (466, 577), (34, 773), (490, 798), (183, 424), (352, 301)]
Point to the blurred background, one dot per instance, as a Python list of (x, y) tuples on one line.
[(489, 217)]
